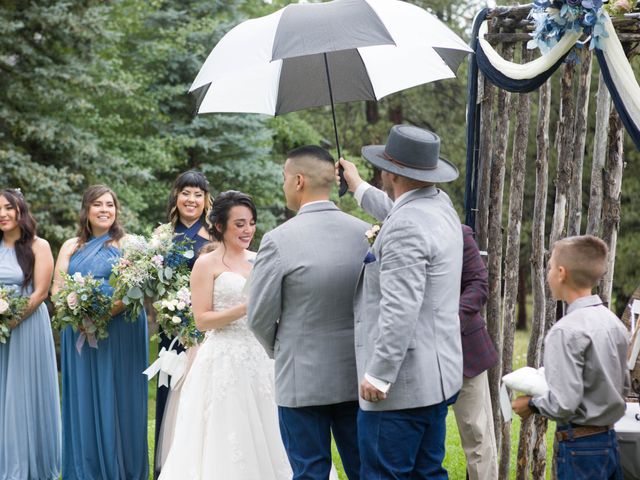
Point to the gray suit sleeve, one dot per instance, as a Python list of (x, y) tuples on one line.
[(265, 295), (376, 203), (403, 276)]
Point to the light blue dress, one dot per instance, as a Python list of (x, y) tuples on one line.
[(104, 392), (29, 397)]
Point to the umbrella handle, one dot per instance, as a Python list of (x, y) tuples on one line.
[(343, 183)]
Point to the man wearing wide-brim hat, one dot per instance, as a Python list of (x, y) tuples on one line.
[(407, 332)]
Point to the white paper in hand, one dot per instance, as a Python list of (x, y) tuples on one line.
[(527, 380), (505, 403), (634, 350)]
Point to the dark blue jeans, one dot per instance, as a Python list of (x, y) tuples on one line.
[(594, 457), (306, 434), (403, 444)]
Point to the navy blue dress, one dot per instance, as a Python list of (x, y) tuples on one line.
[(190, 234)]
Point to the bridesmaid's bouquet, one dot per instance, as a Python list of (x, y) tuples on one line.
[(175, 316), (149, 268), (82, 304), (12, 306)]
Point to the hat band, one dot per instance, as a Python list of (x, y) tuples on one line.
[(397, 162)]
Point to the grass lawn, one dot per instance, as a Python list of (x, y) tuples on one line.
[(454, 460)]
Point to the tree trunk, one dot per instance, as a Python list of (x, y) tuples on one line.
[(603, 109), (495, 245), (582, 111), (396, 114), (521, 323), (512, 252), (487, 93), (611, 201), (371, 112), (529, 433)]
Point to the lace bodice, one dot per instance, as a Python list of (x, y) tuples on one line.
[(227, 293)]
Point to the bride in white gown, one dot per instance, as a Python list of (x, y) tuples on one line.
[(227, 424)]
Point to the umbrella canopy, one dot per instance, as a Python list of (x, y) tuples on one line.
[(313, 54)]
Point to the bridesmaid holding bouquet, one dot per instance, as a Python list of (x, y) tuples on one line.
[(188, 206), (104, 393), (29, 397)]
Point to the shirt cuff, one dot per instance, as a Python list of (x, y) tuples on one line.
[(376, 382), (359, 193), (533, 407)]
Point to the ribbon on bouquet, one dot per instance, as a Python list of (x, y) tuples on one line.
[(90, 337), (169, 363)]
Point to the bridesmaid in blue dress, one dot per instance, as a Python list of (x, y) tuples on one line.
[(104, 393), (187, 210), (29, 398)]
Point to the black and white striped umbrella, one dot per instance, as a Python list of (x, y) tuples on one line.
[(371, 48), (312, 54)]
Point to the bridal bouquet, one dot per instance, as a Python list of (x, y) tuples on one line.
[(149, 268), (175, 316), (12, 306), (82, 304)]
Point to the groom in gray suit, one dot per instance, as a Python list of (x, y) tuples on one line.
[(407, 329), (300, 308)]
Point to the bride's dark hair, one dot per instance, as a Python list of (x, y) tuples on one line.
[(27, 224), (222, 205)]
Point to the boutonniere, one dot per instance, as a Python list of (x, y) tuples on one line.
[(372, 233)]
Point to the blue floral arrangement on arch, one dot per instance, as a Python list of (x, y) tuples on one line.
[(554, 18)]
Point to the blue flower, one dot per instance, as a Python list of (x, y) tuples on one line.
[(593, 4), (590, 19)]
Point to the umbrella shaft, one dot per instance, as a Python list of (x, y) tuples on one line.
[(333, 109)]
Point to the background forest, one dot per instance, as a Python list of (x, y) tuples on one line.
[(95, 91)]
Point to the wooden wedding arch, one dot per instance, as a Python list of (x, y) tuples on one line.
[(505, 127)]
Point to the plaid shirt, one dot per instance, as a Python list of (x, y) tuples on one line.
[(478, 350)]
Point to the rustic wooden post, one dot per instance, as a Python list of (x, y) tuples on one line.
[(582, 112), (512, 251), (603, 108), (611, 201), (564, 140), (534, 352), (487, 93), (494, 247)]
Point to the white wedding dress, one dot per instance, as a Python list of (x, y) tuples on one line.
[(227, 424)]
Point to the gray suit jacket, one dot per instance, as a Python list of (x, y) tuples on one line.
[(407, 327), (301, 304)]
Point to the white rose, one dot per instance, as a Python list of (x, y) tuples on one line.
[(78, 278), (72, 300), (181, 305), (176, 320), (4, 306)]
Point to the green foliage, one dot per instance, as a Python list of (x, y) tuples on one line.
[(96, 92)]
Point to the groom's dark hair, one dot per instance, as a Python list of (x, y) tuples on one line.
[(314, 151), (316, 163)]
